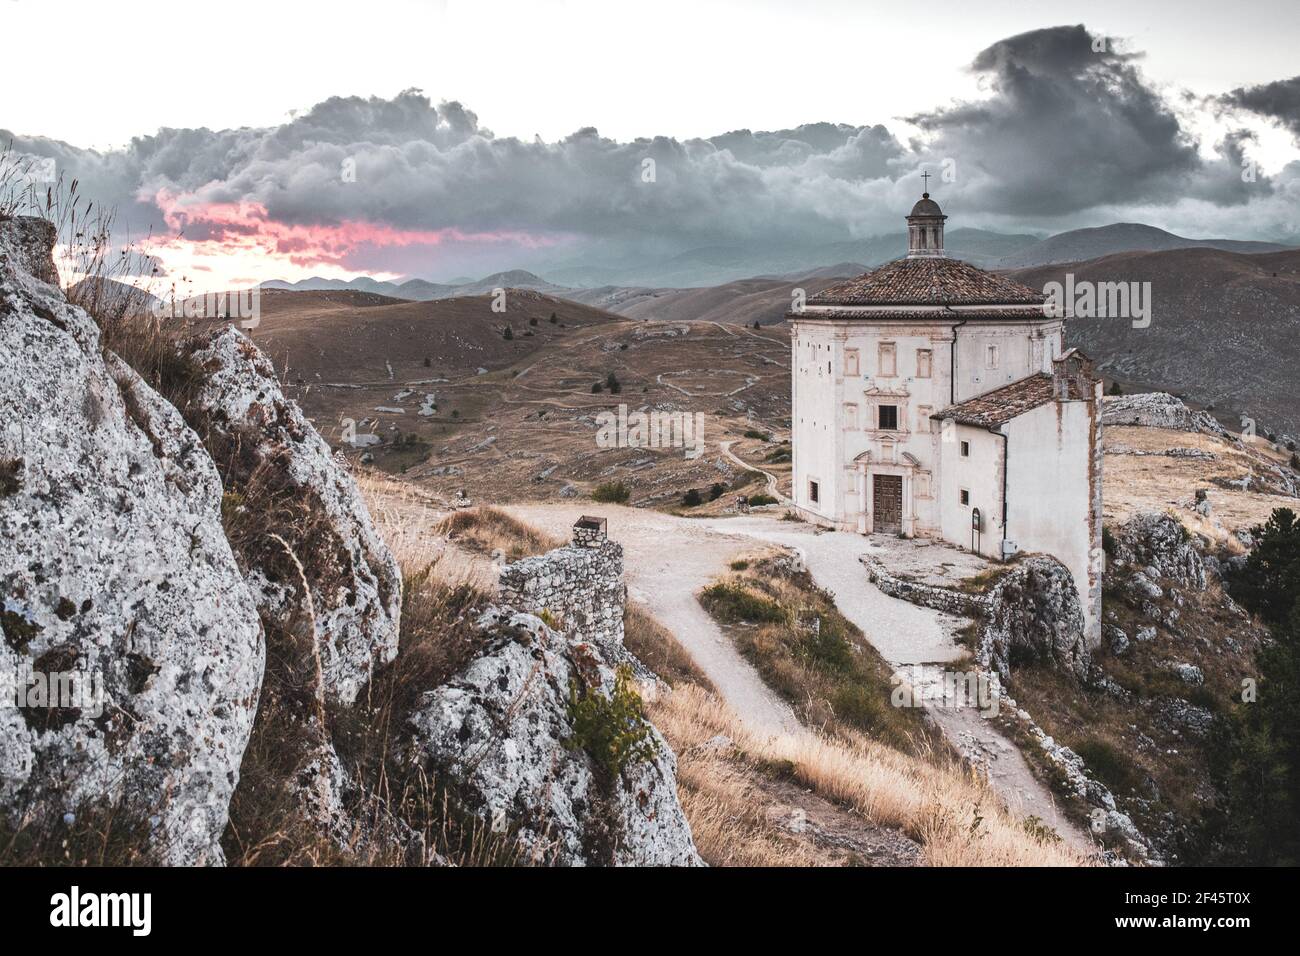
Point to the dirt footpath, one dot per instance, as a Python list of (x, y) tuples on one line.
[(669, 559)]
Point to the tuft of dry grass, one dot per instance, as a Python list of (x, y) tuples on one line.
[(489, 530)]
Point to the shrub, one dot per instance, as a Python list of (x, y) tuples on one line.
[(691, 498), (614, 492), (1114, 389), (612, 383), (716, 491), (739, 565), (612, 730), (553, 318), (1107, 541), (532, 320), (730, 603), (757, 435), (761, 499), (1295, 462), (508, 334), (778, 455), (596, 388)]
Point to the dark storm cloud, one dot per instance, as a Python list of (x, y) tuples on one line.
[(1278, 101), (1069, 125), (1072, 124)]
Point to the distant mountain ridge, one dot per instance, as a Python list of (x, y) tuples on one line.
[(1078, 245), (420, 290)]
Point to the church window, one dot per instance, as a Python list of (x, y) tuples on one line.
[(889, 417), (924, 362), (965, 496), (888, 362), (965, 449), (813, 491)]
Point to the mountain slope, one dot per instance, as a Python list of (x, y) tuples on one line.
[(1223, 328)]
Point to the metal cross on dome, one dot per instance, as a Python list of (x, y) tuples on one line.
[(926, 176)]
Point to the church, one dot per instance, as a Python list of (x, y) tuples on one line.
[(934, 399)]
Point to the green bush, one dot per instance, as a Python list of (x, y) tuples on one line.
[(612, 730), (1269, 583), (692, 498), (757, 435), (1108, 765), (613, 492), (761, 499)]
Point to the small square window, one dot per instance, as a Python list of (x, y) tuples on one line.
[(965, 449), (889, 417), (965, 497), (813, 491)]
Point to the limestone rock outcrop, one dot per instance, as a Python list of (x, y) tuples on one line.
[(1157, 410), (1033, 611), (275, 462), (1160, 543), (501, 731), (114, 573)]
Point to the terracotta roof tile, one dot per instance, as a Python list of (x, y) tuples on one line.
[(928, 280), (1002, 404)]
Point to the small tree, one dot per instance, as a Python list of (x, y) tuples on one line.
[(532, 320), (1114, 389), (1269, 582), (508, 334), (612, 383), (716, 491), (596, 388), (427, 363), (692, 498), (553, 318)]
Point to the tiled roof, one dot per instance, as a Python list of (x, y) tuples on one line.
[(902, 312), (1002, 404), (928, 280)]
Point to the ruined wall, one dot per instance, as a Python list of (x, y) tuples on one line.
[(580, 587)]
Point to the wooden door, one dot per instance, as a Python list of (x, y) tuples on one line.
[(887, 503)]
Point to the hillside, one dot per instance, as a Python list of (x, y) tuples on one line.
[(419, 290), (1079, 244), (746, 301), (1222, 333)]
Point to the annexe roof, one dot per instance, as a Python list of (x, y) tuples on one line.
[(1002, 404)]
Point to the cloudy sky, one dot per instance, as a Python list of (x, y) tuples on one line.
[(435, 139)]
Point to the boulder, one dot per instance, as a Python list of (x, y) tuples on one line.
[(1034, 611), (501, 733), (1160, 543), (274, 463), (115, 572)]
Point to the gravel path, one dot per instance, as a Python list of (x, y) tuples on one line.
[(669, 559)]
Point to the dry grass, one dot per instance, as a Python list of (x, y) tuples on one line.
[(956, 817), (492, 531)]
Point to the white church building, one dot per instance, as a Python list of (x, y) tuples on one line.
[(934, 399)]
